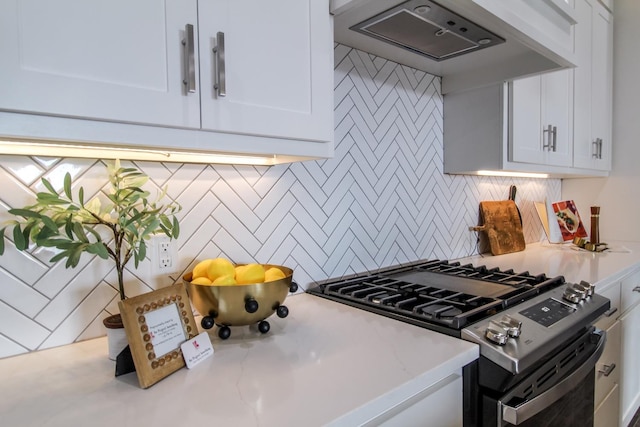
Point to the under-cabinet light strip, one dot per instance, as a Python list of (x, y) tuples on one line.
[(106, 152), (513, 174)]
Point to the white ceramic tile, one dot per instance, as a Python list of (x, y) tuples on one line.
[(76, 322), (20, 296), (19, 328), (26, 171), (21, 264), (10, 348), (72, 295)]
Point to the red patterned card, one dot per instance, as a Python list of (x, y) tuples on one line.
[(569, 220)]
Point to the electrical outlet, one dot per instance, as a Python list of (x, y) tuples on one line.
[(163, 255)]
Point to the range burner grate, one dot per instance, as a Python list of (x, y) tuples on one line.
[(447, 295)]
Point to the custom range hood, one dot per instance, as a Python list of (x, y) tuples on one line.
[(470, 43), (428, 29)]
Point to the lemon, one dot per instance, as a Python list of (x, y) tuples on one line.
[(250, 273), (201, 281), (219, 267), (200, 270), (224, 281), (273, 273)]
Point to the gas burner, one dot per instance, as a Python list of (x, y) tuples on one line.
[(444, 293)]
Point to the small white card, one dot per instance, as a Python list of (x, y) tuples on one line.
[(197, 349)]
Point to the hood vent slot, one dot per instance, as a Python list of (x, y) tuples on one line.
[(426, 28)]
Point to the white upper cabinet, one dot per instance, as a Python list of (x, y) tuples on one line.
[(557, 123), (593, 86), (541, 119), (267, 68), (183, 74), (116, 60)]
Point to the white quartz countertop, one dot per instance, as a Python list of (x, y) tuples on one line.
[(600, 269), (324, 362)]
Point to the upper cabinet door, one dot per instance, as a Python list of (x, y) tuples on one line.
[(116, 60), (541, 119), (274, 61), (594, 86)]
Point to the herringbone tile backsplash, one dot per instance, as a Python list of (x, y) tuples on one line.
[(382, 200)]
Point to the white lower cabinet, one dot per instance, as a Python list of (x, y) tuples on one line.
[(439, 405), (606, 414), (607, 382), (630, 385), (617, 385)]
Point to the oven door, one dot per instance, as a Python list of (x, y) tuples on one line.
[(558, 393)]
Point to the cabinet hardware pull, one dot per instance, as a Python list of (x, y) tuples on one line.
[(600, 148), (607, 369), (189, 60), (548, 132), (636, 289), (596, 148), (220, 79), (555, 135), (610, 312)]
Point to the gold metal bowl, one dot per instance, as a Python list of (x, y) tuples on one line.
[(237, 305)]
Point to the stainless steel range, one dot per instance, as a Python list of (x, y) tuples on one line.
[(537, 342)]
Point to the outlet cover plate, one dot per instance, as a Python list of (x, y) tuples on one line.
[(163, 255)]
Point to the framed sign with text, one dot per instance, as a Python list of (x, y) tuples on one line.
[(156, 324)]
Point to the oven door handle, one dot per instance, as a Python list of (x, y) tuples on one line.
[(521, 413)]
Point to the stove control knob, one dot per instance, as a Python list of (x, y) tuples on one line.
[(573, 295), (511, 325), (496, 333), (589, 288)]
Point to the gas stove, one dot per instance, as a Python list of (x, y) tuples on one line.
[(515, 317), (538, 345)]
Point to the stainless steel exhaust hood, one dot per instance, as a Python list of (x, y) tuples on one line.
[(426, 28), (469, 43)]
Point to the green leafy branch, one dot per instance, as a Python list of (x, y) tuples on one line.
[(70, 225)]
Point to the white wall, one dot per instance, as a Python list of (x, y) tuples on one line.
[(619, 194)]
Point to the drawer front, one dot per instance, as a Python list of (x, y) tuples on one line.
[(608, 366), (608, 413), (630, 290), (607, 319)]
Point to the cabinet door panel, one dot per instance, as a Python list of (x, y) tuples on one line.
[(526, 120), (557, 94), (594, 86), (117, 60), (630, 373), (603, 84), (278, 68)]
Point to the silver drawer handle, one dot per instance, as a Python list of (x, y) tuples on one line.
[(189, 59), (636, 289), (610, 312), (220, 78), (607, 369)]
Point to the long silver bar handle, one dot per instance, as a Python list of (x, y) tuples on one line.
[(600, 148), (547, 131), (555, 139), (220, 78), (517, 415), (189, 59), (596, 148)]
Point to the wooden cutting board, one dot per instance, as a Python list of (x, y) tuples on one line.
[(502, 226)]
